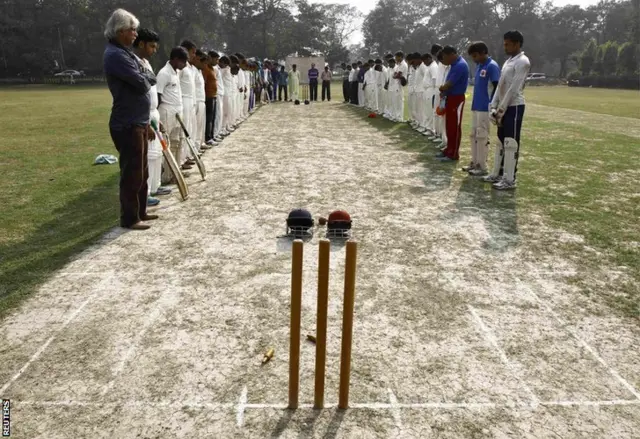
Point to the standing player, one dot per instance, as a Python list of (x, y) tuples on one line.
[(454, 90), (486, 82), (201, 109), (346, 75), (400, 77), (353, 84), (313, 83), (294, 83), (170, 103), (219, 133), (507, 110), (188, 88), (145, 47), (430, 75), (390, 87)]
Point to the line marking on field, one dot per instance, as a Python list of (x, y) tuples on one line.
[(242, 404), (44, 347), (394, 406), (503, 356), (155, 314), (591, 350), (395, 411)]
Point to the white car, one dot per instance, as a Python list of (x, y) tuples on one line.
[(536, 77), (70, 73)]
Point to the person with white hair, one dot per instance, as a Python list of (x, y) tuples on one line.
[(129, 83)]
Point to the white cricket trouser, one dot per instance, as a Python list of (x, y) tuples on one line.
[(372, 98), (238, 107), (227, 112), (201, 120), (397, 105), (172, 127), (154, 158), (380, 99), (361, 94), (217, 123), (420, 108), (189, 118), (430, 110), (174, 134), (480, 125)]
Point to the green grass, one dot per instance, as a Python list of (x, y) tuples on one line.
[(54, 201), (624, 103), (584, 181)]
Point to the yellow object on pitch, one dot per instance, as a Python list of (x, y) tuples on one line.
[(311, 338), (268, 356)]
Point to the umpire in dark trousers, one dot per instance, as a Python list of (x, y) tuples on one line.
[(313, 83), (353, 84), (346, 73), (129, 84)]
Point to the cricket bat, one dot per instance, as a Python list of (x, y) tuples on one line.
[(194, 151), (171, 161)]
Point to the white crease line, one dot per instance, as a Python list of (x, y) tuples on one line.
[(455, 405), (358, 406), (52, 338), (503, 356), (590, 403), (242, 404), (395, 411), (157, 312), (593, 352)]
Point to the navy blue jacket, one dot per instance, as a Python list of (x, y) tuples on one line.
[(129, 84)]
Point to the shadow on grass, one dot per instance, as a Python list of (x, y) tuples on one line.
[(437, 176), (498, 209), (77, 225)]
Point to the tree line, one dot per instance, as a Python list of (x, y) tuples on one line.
[(552, 34), (38, 37)]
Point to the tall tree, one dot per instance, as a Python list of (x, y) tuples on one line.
[(565, 30), (587, 58)]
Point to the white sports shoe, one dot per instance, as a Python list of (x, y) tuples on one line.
[(492, 179), (504, 185), (478, 172)]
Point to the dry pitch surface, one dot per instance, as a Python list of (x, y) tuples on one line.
[(461, 330)]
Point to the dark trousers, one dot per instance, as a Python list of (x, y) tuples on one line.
[(511, 127), (284, 88), (453, 121), (132, 144), (345, 91), (326, 90), (354, 92), (210, 106), (313, 90)]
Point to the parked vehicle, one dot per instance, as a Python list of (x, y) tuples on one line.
[(536, 77), (71, 73)]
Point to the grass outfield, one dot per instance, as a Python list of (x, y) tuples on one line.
[(577, 170), (625, 103)]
